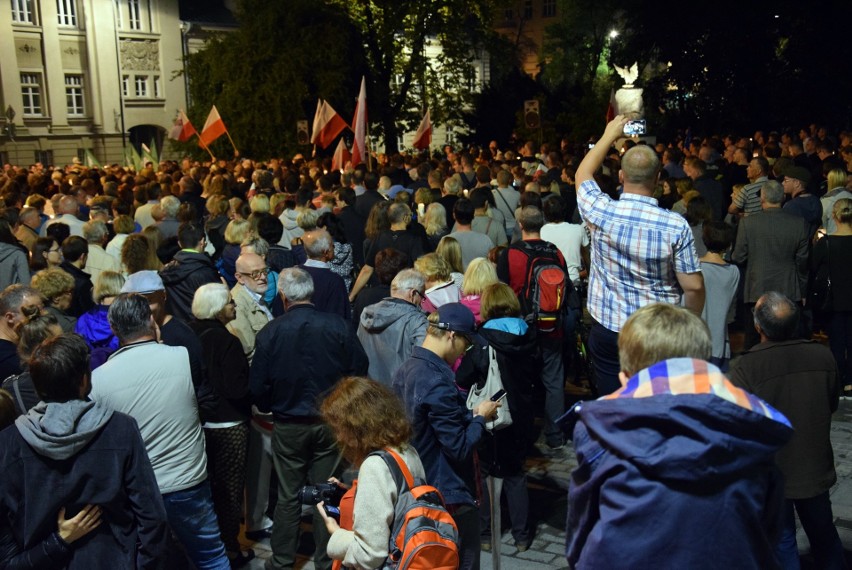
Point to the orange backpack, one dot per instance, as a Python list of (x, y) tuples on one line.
[(423, 536)]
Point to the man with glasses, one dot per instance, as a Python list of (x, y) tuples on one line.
[(445, 432), (390, 329), (252, 312), (12, 299), (252, 315)]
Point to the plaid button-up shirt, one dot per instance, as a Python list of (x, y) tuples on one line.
[(637, 247)]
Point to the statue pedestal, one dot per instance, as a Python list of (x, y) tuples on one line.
[(628, 101)]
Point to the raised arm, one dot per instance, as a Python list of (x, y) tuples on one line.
[(596, 155)]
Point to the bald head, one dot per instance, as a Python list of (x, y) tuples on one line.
[(640, 167), (318, 245), (251, 272), (68, 205)]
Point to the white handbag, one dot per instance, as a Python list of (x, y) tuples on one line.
[(493, 384)]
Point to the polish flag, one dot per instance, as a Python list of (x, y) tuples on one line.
[(327, 125), (359, 126), (214, 127), (341, 156), (183, 129), (610, 110), (423, 136)]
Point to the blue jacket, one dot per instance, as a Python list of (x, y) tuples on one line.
[(668, 479), (445, 431)]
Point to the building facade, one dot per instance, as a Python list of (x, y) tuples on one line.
[(524, 23), (87, 75)]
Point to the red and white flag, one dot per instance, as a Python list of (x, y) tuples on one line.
[(214, 127), (423, 136), (183, 129), (341, 156), (359, 126), (610, 110), (327, 125)]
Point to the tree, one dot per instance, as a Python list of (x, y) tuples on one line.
[(268, 73), (397, 37)]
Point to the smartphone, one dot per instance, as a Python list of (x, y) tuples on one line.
[(635, 127), (333, 512), (499, 395)]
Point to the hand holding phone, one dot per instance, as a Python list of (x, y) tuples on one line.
[(499, 395)]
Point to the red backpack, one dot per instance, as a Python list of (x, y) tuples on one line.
[(423, 536), (547, 285)]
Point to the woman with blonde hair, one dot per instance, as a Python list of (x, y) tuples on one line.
[(366, 417), (836, 182), (123, 226), (440, 288), (832, 257), (450, 250), (435, 222), (93, 325), (479, 275), (235, 234), (219, 209)]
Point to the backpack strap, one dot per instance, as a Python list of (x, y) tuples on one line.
[(399, 470)]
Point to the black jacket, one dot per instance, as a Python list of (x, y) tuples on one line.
[(353, 228), (82, 300), (298, 359), (227, 370), (182, 277)]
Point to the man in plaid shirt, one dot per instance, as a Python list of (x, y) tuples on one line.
[(641, 253)]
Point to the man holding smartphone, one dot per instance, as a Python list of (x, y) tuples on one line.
[(641, 253)]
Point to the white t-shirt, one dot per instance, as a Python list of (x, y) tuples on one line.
[(569, 238)]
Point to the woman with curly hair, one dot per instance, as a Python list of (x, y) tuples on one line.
[(57, 288), (136, 255), (366, 416)]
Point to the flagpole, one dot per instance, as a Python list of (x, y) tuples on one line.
[(367, 146), (236, 152), (205, 147)]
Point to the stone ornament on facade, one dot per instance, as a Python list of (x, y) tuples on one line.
[(628, 99), (140, 55)]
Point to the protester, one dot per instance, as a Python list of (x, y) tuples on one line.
[(723, 454), (365, 417)]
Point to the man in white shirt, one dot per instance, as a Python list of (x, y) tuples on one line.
[(571, 239)]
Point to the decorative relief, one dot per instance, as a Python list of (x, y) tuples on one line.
[(27, 48), (140, 55), (71, 51)]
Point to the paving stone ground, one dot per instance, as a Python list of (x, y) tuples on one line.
[(548, 474)]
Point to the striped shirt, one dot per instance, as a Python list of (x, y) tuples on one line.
[(748, 197), (678, 376), (637, 248)]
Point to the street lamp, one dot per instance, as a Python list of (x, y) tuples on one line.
[(613, 34)]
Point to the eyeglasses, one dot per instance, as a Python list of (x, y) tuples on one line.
[(422, 295), (256, 274), (467, 340)]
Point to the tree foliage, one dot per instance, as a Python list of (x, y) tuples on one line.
[(267, 74), (397, 36)]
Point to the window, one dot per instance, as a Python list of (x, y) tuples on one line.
[(141, 85), (31, 93), (125, 86), (509, 14), (22, 11), (74, 95), (133, 20), (548, 8), (44, 156), (158, 88), (67, 12), (528, 9)]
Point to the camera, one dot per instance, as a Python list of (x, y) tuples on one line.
[(323, 492), (635, 127)]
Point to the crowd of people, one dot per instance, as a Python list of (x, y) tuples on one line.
[(183, 349)]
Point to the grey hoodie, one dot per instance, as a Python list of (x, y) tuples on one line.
[(60, 430), (388, 330)]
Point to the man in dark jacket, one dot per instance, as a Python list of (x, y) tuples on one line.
[(677, 451), (75, 250), (799, 377), (66, 455), (190, 269), (298, 357), (353, 223), (445, 432)]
